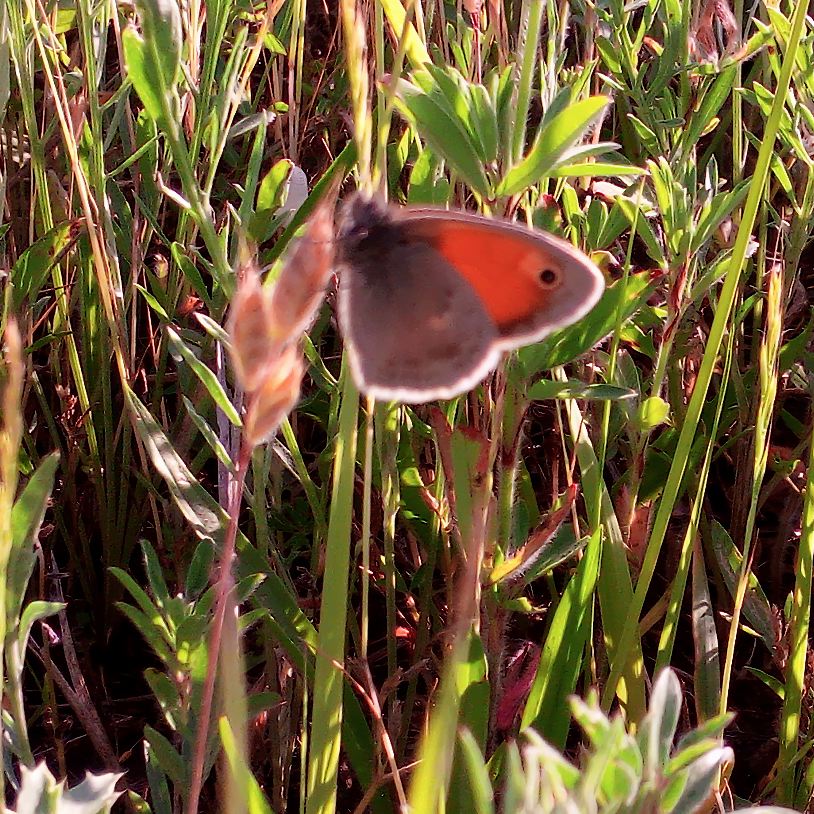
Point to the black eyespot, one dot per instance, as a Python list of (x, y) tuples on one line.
[(549, 277)]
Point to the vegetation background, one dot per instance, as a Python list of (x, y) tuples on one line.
[(412, 586)]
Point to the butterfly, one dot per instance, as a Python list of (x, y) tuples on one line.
[(430, 299)]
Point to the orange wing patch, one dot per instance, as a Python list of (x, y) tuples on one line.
[(503, 268)]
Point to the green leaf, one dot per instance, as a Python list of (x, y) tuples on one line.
[(480, 786), (428, 184), (553, 141), (444, 132), (561, 658), (161, 24), (166, 693), (575, 389), (210, 436), (644, 230), (593, 169), (701, 775), (29, 273), (485, 117), (191, 636), (206, 376), (652, 412), (756, 607), (619, 302), (159, 790), (722, 206), (34, 611), (155, 574), (469, 103), (712, 101), (142, 74), (414, 48), (148, 628), (170, 762), (154, 303), (191, 273), (142, 598), (270, 197), (26, 519), (200, 569), (256, 802), (659, 725)]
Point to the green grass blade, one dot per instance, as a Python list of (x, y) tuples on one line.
[(323, 759), (723, 313)]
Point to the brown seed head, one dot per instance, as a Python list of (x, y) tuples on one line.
[(277, 396), (300, 288)]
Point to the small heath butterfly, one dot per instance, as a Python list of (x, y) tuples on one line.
[(429, 299)]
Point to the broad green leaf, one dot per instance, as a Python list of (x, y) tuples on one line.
[(147, 627), (154, 303), (701, 775), (141, 597), (142, 74), (199, 570), (553, 141), (444, 133), (619, 302), (644, 230), (712, 102), (474, 690), (26, 518), (270, 197), (561, 659), (166, 693), (428, 184), (161, 24), (467, 102), (659, 726), (29, 273), (159, 789), (191, 273), (485, 117), (722, 206), (652, 412), (155, 575), (756, 607)]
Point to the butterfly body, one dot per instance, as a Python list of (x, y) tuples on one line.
[(429, 299)]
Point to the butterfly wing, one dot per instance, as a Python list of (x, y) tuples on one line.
[(530, 282), (415, 330)]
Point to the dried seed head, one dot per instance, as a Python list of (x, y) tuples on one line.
[(703, 42), (266, 324), (264, 321), (277, 396), (300, 288), (254, 343)]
